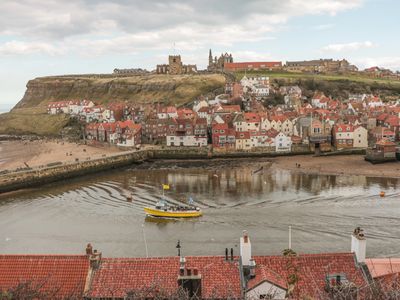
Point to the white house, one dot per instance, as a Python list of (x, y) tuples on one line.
[(167, 112), (265, 124), (186, 140), (283, 143), (199, 105), (360, 137)]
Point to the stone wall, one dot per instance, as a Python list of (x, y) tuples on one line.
[(24, 179)]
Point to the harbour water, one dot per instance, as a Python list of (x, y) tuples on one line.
[(322, 210)]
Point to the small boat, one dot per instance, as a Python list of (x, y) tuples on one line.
[(258, 170), (163, 210)]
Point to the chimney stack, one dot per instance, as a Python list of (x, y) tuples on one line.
[(95, 259), (359, 244), (89, 249), (190, 281), (245, 249)]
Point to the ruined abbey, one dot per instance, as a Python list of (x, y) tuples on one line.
[(218, 63), (175, 67)]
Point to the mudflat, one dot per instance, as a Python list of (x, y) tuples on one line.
[(337, 165)]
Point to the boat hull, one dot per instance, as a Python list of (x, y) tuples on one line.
[(172, 214)]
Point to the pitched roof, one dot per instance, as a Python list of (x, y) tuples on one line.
[(311, 271), (343, 128), (385, 142), (117, 276), (60, 275), (252, 117), (383, 266)]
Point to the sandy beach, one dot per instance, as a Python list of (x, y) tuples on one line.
[(14, 154), (337, 165)]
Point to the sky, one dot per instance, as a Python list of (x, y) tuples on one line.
[(51, 37)]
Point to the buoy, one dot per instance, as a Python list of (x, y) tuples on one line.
[(129, 197), (382, 194)]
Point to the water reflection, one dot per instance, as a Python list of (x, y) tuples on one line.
[(322, 210)]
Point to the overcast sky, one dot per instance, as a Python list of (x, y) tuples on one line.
[(49, 37)]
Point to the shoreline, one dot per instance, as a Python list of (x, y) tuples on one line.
[(341, 165)]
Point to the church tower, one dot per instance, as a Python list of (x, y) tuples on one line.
[(210, 59)]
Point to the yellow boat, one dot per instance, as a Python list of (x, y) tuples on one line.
[(166, 211)]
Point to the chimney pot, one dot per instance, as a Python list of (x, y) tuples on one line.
[(89, 249), (245, 249), (232, 254), (359, 244), (226, 253)]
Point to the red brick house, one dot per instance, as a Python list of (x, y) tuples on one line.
[(223, 136)]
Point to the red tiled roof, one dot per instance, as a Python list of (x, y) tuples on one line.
[(272, 132), (220, 126), (60, 275), (242, 135), (117, 276), (252, 117), (343, 128), (311, 271)]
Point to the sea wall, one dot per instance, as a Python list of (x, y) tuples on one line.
[(38, 176)]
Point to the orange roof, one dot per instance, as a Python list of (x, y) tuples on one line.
[(116, 276), (385, 142), (252, 117), (63, 275), (383, 266), (311, 270)]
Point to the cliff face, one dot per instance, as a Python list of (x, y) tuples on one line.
[(29, 116), (106, 88)]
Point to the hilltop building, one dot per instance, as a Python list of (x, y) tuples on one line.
[(175, 67), (253, 66), (321, 66), (218, 63)]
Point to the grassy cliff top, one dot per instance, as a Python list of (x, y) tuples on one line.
[(103, 89)]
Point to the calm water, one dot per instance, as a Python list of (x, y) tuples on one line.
[(322, 210)]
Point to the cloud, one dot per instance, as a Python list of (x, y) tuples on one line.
[(26, 48), (388, 62), (100, 26), (348, 46)]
